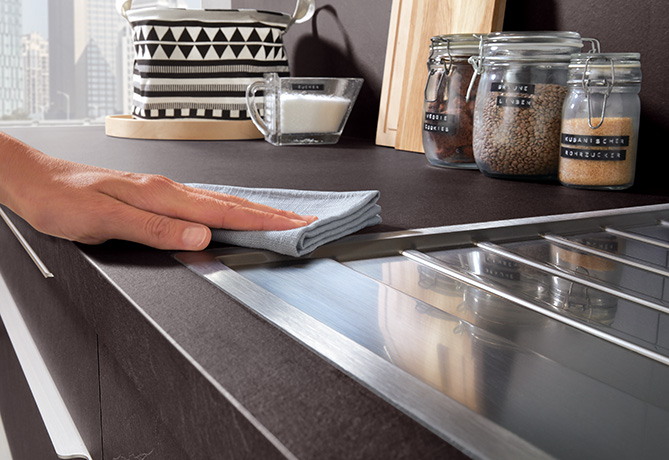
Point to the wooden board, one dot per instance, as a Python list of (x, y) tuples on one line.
[(136, 128), (393, 72), (412, 24)]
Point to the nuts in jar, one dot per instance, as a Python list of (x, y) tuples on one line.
[(447, 110)]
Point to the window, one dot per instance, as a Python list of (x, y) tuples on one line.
[(66, 60)]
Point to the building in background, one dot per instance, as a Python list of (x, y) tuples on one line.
[(11, 68), (35, 75), (125, 54), (86, 74), (67, 44), (77, 66), (105, 38)]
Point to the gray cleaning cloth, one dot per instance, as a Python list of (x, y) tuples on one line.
[(339, 214)]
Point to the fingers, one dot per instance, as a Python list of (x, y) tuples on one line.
[(239, 217), (160, 195), (246, 203), (161, 232), (234, 213)]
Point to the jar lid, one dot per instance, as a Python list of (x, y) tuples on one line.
[(618, 68), (531, 46), (455, 44)]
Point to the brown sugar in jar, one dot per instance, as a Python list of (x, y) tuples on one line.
[(600, 121), (602, 157)]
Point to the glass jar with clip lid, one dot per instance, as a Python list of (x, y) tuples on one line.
[(600, 121), (522, 86), (447, 112)]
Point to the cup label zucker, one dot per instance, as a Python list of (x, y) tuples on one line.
[(308, 87)]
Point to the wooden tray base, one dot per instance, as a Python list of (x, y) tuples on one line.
[(137, 128)]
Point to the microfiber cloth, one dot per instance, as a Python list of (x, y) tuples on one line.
[(339, 214)]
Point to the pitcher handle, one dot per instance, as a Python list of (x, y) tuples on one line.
[(304, 10), (122, 6), (252, 107)]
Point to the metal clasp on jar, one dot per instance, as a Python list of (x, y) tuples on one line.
[(477, 63), (587, 84), (447, 71)]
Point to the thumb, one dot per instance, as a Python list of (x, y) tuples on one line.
[(195, 237), (161, 232)]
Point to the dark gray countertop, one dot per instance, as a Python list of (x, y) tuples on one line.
[(163, 324), (413, 193)]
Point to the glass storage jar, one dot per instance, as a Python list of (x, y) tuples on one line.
[(600, 121), (523, 77), (447, 113)]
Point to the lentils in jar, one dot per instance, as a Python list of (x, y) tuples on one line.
[(519, 102), (519, 135)]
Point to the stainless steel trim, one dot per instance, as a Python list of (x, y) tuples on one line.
[(65, 437), (365, 246), (607, 255), (371, 245), (31, 252), (467, 430), (576, 278), (637, 237), (439, 266)]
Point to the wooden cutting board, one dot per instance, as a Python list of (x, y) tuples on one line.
[(412, 24)]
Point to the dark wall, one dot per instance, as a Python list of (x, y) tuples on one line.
[(348, 38), (345, 38)]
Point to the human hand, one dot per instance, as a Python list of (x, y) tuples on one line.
[(91, 205)]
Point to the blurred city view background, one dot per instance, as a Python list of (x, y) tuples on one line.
[(67, 61)]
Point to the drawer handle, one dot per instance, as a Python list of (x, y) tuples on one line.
[(65, 437), (31, 252)]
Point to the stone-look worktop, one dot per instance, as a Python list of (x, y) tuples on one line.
[(151, 359)]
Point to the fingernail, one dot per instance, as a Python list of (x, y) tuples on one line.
[(195, 237), (299, 222)]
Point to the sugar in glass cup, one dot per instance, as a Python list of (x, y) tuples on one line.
[(298, 111)]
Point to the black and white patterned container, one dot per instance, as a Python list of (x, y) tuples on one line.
[(196, 64)]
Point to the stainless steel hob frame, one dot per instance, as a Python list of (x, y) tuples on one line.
[(465, 428)]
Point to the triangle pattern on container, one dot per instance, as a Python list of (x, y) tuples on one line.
[(208, 43), (207, 34)]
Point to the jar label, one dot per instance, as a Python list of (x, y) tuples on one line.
[(595, 141), (513, 101), (516, 88), (501, 274), (308, 87), (594, 155), (440, 123), (610, 246), (500, 268)]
